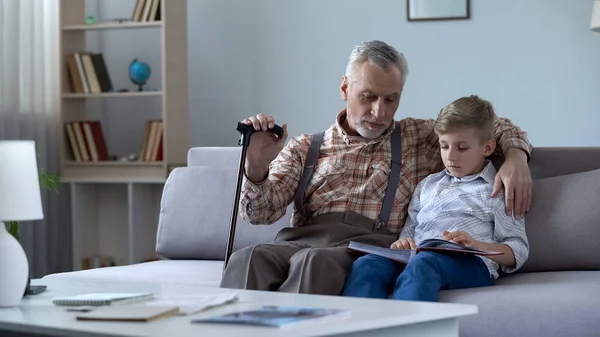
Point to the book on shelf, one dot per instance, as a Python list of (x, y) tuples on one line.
[(152, 143), (405, 255), (146, 11), (86, 140), (88, 73)]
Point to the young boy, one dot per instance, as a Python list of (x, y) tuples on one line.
[(454, 205)]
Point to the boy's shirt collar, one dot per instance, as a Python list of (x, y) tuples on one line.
[(488, 173)]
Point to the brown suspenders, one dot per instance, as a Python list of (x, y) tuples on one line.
[(394, 178), (309, 166)]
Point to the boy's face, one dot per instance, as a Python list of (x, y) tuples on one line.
[(463, 151)]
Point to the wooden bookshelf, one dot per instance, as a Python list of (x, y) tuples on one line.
[(115, 25), (113, 94), (115, 203), (171, 30)]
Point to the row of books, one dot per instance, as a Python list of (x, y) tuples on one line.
[(152, 145), (87, 143), (146, 10), (88, 73), (86, 140)]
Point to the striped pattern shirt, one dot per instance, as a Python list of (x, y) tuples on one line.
[(351, 173), (442, 202)]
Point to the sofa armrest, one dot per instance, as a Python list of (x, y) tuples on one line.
[(195, 214)]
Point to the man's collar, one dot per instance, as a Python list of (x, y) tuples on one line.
[(339, 122), (488, 173)]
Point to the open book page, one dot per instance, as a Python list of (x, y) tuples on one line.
[(191, 304), (278, 316), (443, 245), (404, 255), (400, 255)]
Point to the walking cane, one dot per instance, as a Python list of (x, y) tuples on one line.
[(246, 131)]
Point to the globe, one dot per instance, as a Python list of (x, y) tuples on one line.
[(139, 73)]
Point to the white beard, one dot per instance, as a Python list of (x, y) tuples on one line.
[(369, 133)]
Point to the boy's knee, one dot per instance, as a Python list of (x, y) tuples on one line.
[(372, 261), (425, 260)]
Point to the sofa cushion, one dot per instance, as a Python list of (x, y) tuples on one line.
[(195, 214), (201, 273), (532, 304), (563, 225)]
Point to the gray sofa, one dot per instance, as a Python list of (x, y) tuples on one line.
[(556, 293)]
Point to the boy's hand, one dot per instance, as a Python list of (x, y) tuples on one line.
[(404, 243), (460, 237)]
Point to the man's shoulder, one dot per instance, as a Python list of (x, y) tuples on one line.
[(416, 122), (417, 126), (302, 141), (307, 137)]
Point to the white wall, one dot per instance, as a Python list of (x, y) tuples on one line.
[(536, 60)]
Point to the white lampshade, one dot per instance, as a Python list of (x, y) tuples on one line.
[(20, 198), (595, 21)]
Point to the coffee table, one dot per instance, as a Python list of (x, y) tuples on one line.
[(37, 316)]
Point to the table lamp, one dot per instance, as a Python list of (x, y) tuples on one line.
[(20, 200), (595, 21)]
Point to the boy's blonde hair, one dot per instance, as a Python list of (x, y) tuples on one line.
[(467, 112)]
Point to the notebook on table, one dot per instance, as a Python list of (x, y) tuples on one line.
[(99, 299), (129, 313)]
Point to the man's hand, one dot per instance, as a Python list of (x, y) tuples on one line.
[(514, 174), (404, 243), (264, 147), (461, 237)]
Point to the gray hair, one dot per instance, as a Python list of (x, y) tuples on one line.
[(378, 52)]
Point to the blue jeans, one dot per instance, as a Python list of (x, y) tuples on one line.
[(421, 279)]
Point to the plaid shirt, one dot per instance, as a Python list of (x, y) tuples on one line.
[(351, 173), (442, 202)]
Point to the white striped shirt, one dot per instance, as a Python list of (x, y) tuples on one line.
[(442, 202)]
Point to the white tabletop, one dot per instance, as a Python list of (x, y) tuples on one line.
[(37, 314)]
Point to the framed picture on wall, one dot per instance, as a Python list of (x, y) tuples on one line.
[(427, 10)]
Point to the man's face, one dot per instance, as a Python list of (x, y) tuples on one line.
[(372, 99), (463, 151)]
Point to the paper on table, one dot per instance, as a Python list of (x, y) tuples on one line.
[(191, 304)]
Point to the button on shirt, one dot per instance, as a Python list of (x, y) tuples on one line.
[(442, 202), (352, 172)]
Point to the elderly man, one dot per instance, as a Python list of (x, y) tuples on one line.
[(351, 182)]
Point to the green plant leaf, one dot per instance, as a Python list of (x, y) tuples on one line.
[(49, 181), (13, 228)]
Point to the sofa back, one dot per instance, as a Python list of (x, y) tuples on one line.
[(562, 225), (196, 206)]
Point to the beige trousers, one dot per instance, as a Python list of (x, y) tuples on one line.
[(309, 259)]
